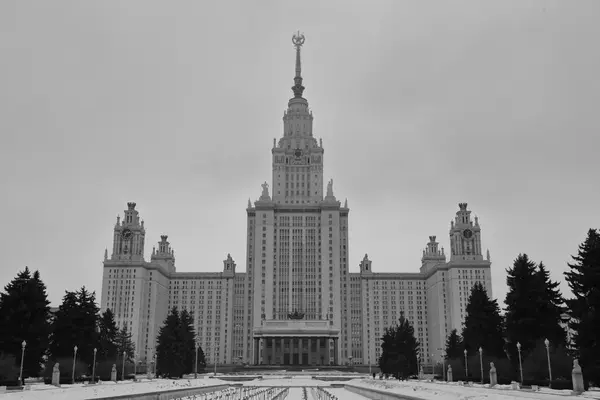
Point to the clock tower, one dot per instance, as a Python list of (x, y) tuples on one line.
[(465, 236), (129, 236)]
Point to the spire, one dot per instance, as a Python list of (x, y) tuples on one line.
[(298, 89)]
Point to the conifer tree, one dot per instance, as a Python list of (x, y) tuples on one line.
[(24, 316), (483, 324), (188, 340), (533, 307), (551, 308), (583, 278), (454, 345), (400, 349), (75, 325), (176, 344), (125, 344), (522, 305), (107, 341)]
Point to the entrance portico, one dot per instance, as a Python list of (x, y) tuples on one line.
[(296, 342)]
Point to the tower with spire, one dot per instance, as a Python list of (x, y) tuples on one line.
[(297, 156), (297, 233)]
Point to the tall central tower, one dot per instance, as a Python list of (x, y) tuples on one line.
[(297, 250), (297, 157)]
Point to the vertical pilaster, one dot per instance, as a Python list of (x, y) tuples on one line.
[(327, 351)]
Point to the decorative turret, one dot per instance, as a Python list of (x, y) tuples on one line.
[(165, 254), (365, 265), (229, 266), (432, 256)]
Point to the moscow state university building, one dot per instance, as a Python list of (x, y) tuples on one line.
[(297, 303)]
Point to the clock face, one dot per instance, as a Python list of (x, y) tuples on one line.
[(126, 234), (467, 233), (298, 153)]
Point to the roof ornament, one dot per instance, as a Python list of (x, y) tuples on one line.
[(298, 40)]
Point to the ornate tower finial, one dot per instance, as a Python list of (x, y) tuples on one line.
[(298, 40)]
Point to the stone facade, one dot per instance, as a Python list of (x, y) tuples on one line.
[(297, 301)]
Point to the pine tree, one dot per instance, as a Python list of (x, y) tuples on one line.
[(75, 325), (188, 340), (454, 345), (522, 301), (201, 358), (584, 280), (400, 349), (533, 307), (24, 316), (173, 349), (107, 340), (125, 344), (483, 324), (551, 308)]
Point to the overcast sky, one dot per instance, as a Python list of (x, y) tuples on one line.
[(174, 105)]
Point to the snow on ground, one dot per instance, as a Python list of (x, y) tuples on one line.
[(452, 391), (283, 380), (294, 394), (345, 394), (105, 389)]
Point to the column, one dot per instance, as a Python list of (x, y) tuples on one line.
[(261, 350), (255, 356), (318, 351), (310, 354), (336, 356), (327, 350), (300, 351), (290, 350)]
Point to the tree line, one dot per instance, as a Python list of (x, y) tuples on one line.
[(32, 336), (531, 330)]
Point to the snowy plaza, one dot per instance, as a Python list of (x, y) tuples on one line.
[(288, 386)]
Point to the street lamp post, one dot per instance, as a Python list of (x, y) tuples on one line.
[(94, 366), (215, 356), (547, 343), (123, 367), (156, 365), (520, 361), (466, 364), (22, 358), (481, 362), (74, 358), (196, 363), (444, 375)]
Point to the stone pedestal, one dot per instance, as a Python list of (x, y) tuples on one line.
[(449, 373), (56, 375), (493, 375), (577, 377), (113, 373)]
